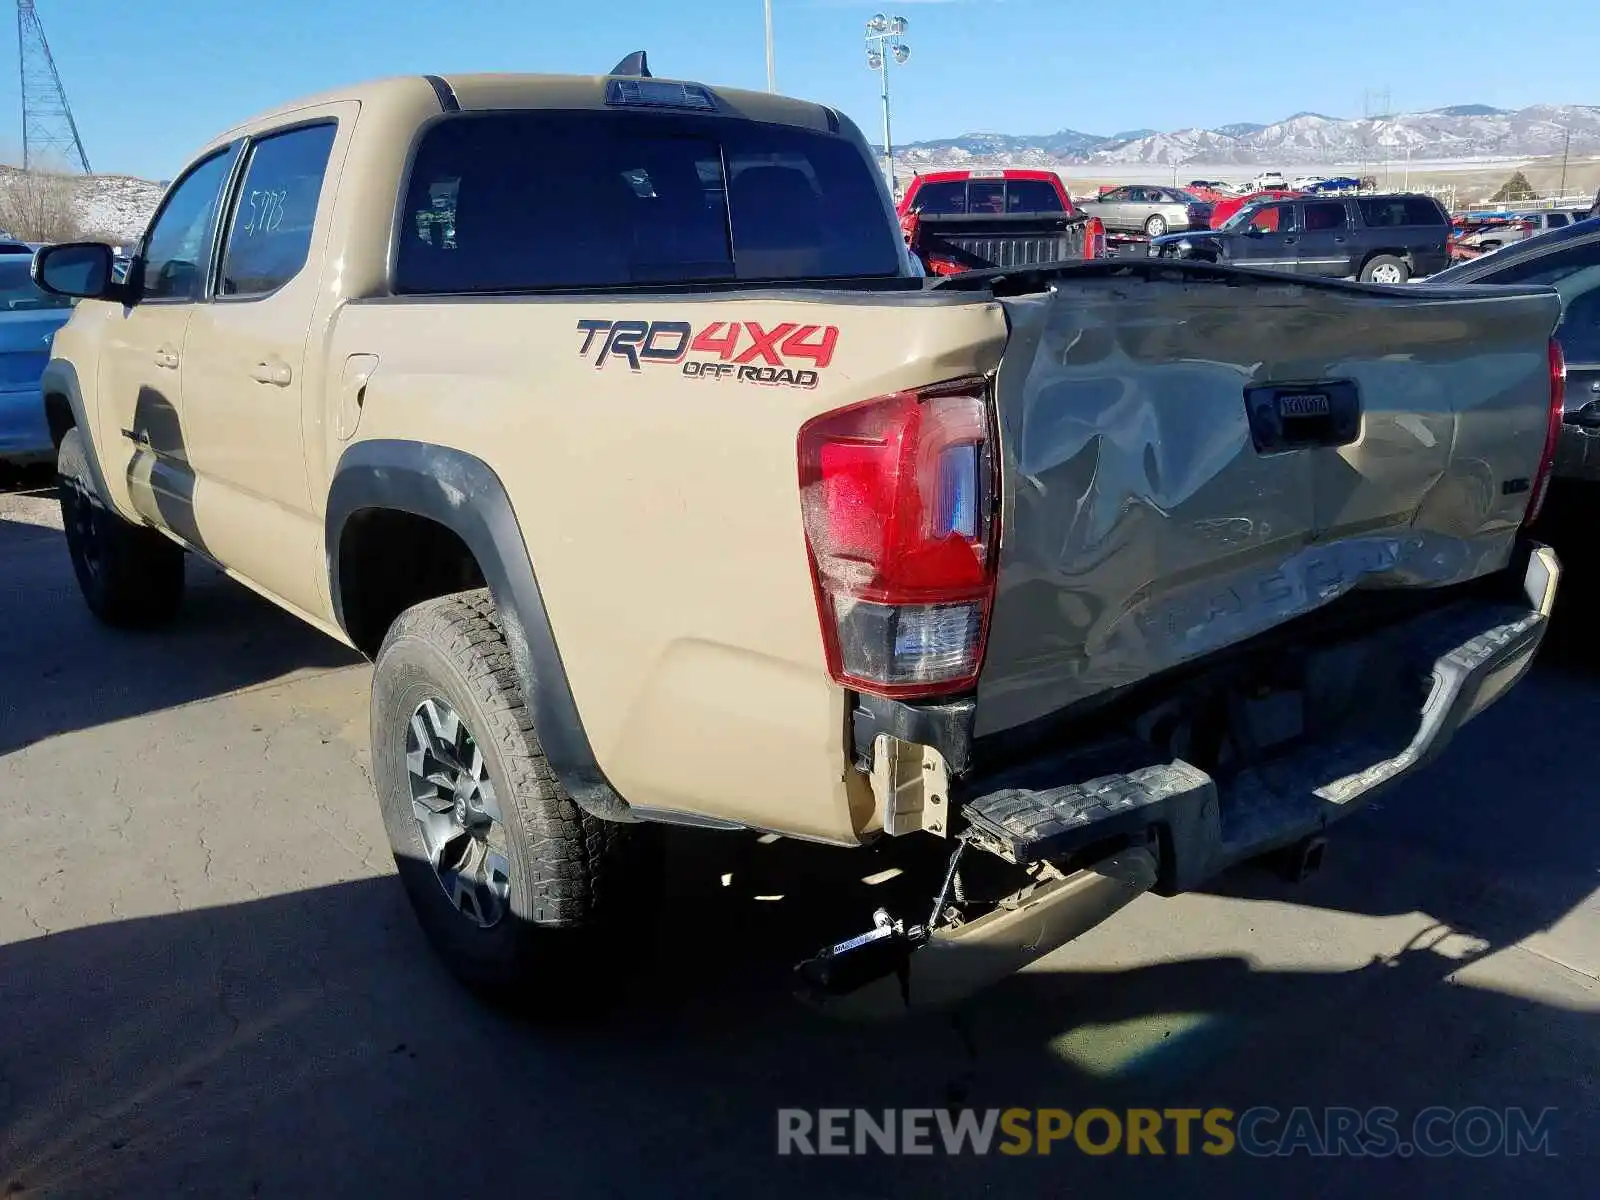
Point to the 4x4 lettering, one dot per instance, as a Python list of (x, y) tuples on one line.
[(624, 341), (766, 344), (711, 340), (820, 351)]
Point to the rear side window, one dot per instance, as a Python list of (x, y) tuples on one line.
[(1031, 196), (947, 199), (552, 200), (1388, 212), (1324, 217), (1557, 220), (270, 234)]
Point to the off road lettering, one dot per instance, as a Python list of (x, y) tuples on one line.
[(745, 351)]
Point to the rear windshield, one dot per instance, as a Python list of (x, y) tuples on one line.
[(551, 200), (1388, 211)]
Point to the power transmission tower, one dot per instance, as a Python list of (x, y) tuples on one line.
[(49, 134)]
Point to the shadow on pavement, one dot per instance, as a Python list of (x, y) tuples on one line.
[(308, 1045), (60, 670)]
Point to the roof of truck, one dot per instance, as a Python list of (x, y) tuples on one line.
[(482, 92)]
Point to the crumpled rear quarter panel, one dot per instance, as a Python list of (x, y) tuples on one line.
[(1141, 527)]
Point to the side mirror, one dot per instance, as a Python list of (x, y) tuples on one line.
[(81, 270)]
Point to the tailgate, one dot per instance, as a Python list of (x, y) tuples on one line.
[(1192, 458), (978, 241)]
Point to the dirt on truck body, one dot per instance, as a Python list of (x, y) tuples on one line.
[(661, 490)]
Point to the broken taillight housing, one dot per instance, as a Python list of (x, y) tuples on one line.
[(1552, 432), (899, 497)]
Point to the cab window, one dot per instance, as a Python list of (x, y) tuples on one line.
[(944, 199), (270, 232), (177, 250), (1031, 196)]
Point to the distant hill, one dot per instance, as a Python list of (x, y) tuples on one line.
[(1454, 132)]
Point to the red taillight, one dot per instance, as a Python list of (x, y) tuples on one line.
[(1552, 433), (899, 500), (1094, 238)]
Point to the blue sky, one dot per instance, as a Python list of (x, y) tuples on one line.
[(151, 80)]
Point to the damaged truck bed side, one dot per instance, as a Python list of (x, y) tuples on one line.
[(662, 491)]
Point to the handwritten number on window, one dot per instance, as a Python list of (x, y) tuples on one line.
[(264, 210)]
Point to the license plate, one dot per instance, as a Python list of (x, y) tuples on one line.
[(1305, 404)]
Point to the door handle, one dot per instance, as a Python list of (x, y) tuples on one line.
[(1595, 386), (1339, 240), (274, 372), (1290, 241), (167, 357)]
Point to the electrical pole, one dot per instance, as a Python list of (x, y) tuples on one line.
[(772, 61), (1566, 145), (49, 133), (883, 43)]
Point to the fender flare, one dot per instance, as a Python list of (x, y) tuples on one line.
[(60, 378), (462, 493)]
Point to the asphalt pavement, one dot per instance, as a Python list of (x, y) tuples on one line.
[(210, 983)]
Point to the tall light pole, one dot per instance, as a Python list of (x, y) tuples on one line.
[(772, 61), (1566, 145), (883, 44)]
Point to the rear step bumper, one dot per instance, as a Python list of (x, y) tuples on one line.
[(1177, 825), (1469, 654)]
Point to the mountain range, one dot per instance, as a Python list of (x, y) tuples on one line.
[(1458, 131)]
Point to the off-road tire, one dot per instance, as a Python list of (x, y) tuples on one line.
[(131, 577), (567, 934), (1385, 260)]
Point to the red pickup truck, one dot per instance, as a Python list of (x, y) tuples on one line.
[(957, 221)]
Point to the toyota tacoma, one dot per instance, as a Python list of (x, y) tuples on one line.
[(609, 417)]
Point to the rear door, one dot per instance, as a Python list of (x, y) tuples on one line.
[(1271, 239), (1325, 244)]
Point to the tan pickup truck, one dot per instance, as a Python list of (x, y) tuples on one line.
[(608, 417)]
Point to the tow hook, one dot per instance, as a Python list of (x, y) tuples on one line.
[(884, 950)]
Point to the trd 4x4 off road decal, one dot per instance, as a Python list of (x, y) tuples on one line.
[(744, 351)]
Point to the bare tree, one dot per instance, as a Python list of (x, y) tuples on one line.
[(39, 206)]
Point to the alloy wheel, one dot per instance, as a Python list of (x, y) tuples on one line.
[(457, 813)]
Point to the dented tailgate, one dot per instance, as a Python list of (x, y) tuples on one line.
[(1190, 460)]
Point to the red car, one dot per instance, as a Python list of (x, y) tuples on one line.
[(960, 193), (1224, 210)]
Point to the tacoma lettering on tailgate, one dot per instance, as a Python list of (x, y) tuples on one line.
[(744, 351)]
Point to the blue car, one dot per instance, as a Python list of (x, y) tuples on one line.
[(29, 319)]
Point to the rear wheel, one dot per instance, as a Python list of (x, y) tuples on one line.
[(1385, 268), (1156, 225), (130, 577), (521, 893)]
